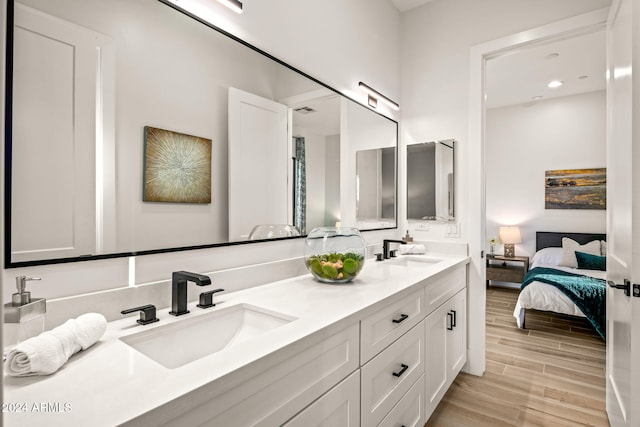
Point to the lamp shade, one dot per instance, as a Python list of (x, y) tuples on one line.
[(510, 235)]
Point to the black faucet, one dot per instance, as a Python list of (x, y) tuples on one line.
[(385, 246), (179, 290)]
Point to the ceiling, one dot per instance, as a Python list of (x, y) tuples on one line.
[(517, 77)]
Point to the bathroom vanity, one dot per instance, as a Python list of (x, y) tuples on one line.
[(381, 350)]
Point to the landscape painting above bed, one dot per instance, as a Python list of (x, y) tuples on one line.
[(575, 189)]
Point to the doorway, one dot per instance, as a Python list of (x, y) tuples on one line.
[(479, 56)]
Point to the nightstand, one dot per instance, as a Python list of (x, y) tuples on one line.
[(506, 269)]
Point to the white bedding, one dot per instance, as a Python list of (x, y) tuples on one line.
[(541, 296)]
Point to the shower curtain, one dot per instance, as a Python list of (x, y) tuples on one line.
[(300, 187)]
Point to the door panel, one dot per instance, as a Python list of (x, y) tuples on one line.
[(621, 205), (54, 116), (258, 163)]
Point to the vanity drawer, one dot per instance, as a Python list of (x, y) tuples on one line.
[(274, 393), (388, 323), (444, 287), (340, 407), (409, 412), (388, 376)]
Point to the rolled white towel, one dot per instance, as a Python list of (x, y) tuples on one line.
[(47, 352), (412, 249)]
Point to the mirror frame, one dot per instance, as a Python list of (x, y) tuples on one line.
[(8, 152)]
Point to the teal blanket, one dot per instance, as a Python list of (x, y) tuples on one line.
[(588, 293)]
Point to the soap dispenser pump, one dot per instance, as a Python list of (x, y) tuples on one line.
[(407, 238), (23, 296), (23, 316)]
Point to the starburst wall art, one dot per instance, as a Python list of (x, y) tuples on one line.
[(177, 167)]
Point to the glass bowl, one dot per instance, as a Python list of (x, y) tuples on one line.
[(334, 254), (273, 231)]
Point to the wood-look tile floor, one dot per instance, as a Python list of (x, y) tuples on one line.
[(550, 374)]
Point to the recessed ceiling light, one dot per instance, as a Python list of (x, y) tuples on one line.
[(552, 56), (583, 77), (554, 84), (536, 98)]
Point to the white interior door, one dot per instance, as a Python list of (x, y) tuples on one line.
[(258, 163), (54, 133), (623, 218)]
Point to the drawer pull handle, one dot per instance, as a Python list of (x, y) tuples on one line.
[(401, 371), (450, 326), (453, 322), (401, 319)]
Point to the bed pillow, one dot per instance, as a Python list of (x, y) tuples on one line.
[(591, 262), (569, 248), (547, 257), (603, 247)]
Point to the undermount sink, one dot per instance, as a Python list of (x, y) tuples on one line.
[(413, 261), (187, 340)]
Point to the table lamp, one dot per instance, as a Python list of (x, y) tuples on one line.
[(509, 236)]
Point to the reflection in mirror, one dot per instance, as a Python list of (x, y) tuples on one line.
[(375, 181), (89, 75), (372, 141), (431, 180)]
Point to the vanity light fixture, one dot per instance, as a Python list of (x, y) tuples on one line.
[(375, 96), (554, 84), (234, 5)]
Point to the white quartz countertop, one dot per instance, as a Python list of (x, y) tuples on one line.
[(112, 383)]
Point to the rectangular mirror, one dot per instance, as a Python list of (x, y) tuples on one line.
[(431, 181), (89, 75)]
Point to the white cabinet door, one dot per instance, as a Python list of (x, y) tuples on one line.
[(436, 357), (456, 335), (340, 407), (446, 347)]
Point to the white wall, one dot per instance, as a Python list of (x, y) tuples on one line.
[(298, 33), (435, 49), (523, 142)]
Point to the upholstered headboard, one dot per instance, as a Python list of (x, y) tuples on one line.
[(548, 239)]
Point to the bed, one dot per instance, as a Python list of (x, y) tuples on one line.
[(555, 283)]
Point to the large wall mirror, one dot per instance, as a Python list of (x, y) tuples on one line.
[(431, 181), (92, 80)]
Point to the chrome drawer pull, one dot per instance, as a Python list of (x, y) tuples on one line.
[(401, 371), (401, 319)]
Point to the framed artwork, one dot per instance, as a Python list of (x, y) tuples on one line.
[(576, 189), (177, 167)]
